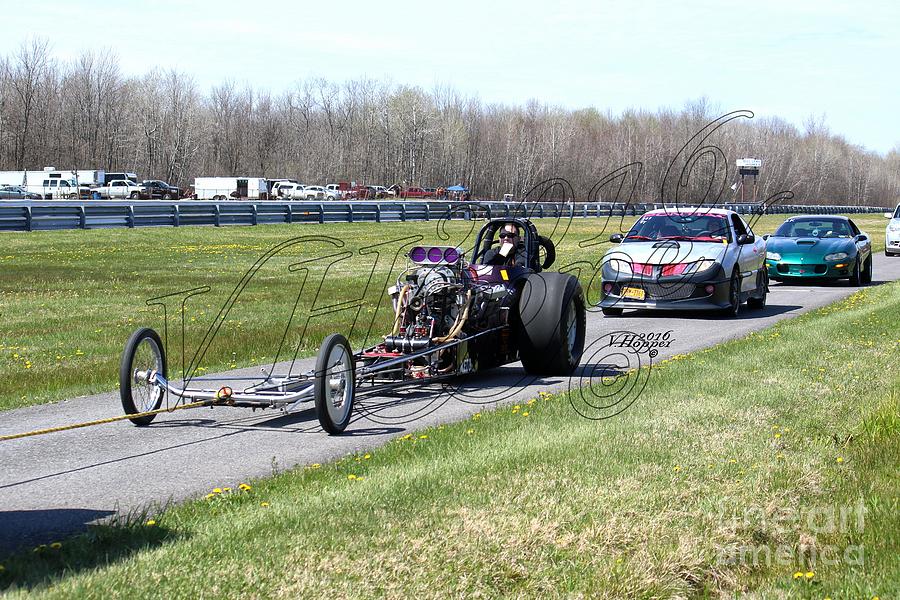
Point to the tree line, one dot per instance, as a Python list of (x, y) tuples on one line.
[(87, 114)]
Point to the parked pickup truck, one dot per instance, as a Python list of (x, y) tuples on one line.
[(122, 188), (160, 190)]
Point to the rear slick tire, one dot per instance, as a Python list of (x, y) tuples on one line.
[(551, 324)]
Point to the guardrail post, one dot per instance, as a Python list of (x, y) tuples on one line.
[(28, 218), (176, 215), (488, 210), (427, 211), (254, 215), (218, 215), (377, 213), (290, 213), (349, 213), (321, 213), (403, 212), (82, 218), (507, 211), (130, 218)]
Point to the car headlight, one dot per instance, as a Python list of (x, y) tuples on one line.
[(836, 256), (773, 256), (622, 266), (700, 266)]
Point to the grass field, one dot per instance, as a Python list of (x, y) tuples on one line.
[(70, 299), (750, 467)]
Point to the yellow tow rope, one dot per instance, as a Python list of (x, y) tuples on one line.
[(15, 436)]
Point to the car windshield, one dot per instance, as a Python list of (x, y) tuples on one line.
[(695, 228), (814, 228), (897, 212)]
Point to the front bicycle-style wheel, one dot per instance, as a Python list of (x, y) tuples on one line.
[(335, 384), (143, 355)]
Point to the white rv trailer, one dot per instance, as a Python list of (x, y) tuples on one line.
[(230, 188)]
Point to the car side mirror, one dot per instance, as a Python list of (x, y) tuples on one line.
[(746, 238), (862, 238), (766, 237), (616, 238)]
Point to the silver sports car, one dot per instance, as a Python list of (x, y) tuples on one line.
[(685, 259)]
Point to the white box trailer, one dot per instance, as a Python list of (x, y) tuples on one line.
[(230, 188), (53, 184)]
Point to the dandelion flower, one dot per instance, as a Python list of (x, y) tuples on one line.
[(476, 416), (525, 413), (810, 574), (351, 477), (244, 487), (423, 437), (367, 456), (56, 545), (470, 431), (798, 575), (210, 496), (840, 459), (264, 504), (151, 523), (676, 468), (217, 490), (777, 435), (228, 489), (315, 466)]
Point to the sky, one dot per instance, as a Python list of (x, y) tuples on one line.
[(790, 58)]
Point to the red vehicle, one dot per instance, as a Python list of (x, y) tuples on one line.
[(416, 192)]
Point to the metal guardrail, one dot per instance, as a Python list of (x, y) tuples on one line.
[(68, 214)]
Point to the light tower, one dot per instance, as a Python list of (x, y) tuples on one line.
[(749, 166)]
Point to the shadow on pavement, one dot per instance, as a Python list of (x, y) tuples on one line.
[(40, 546)]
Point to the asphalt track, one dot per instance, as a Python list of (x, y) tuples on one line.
[(55, 485)]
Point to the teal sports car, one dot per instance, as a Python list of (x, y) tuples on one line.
[(819, 247)]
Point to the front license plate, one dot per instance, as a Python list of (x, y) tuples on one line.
[(636, 293)]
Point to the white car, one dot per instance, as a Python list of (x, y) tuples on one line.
[(313, 192), (685, 259), (892, 233)]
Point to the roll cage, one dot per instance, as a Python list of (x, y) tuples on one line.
[(487, 238)]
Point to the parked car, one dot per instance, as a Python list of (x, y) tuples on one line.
[(819, 247), (892, 233), (313, 192), (283, 188), (414, 192), (156, 189), (122, 188), (685, 259), (17, 192)]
